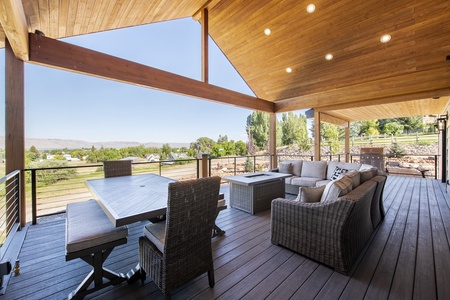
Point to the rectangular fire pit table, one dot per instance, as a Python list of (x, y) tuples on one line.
[(254, 192)]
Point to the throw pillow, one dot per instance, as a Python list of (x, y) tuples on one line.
[(337, 171), (335, 189), (285, 168), (310, 194), (368, 174), (355, 177)]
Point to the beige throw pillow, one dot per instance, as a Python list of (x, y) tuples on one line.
[(355, 177), (310, 194), (336, 188)]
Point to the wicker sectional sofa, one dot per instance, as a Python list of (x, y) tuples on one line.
[(334, 231)]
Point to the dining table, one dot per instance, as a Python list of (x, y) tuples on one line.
[(129, 199)]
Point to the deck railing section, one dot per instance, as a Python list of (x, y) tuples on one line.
[(9, 207), (51, 189)]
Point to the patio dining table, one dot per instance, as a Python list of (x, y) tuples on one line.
[(129, 199)]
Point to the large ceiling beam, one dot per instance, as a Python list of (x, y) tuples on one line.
[(12, 18), (394, 99), (66, 56)]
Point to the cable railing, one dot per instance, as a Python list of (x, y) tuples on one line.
[(10, 186), (52, 188)]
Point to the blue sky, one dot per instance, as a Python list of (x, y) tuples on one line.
[(65, 105)]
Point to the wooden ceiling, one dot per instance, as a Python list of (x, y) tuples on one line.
[(366, 79)]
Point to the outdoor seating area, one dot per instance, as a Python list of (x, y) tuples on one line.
[(407, 255)]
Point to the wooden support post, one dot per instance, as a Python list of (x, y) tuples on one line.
[(273, 140), (205, 49), (15, 121), (317, 136), (204, 167), (347, 142)]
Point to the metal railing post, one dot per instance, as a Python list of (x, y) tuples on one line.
[(33, 197), (235, 165)]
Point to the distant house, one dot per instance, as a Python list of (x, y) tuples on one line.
[(152, 157), (174, 156)]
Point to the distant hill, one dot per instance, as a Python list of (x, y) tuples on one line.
[(43, 144)]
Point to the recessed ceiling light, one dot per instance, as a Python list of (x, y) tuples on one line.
[(310, 8), (288, 70), (329, 56), (385, 38), (267, 31)]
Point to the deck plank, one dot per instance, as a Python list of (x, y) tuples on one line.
[(407, 257)]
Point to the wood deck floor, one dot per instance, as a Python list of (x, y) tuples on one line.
[(407, 258)]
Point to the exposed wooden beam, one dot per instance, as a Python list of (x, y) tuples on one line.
[(70, 57), (12, 18), (208, 5), (205, 46), (327, 118), (320, 101), (394, 99)]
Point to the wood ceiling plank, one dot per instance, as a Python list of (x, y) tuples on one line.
[(63, 14), (66, 56)]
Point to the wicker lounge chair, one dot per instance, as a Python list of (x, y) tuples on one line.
[(179, 250), (114, 168)]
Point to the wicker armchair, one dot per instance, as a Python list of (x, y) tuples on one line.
[(179, 250), (114, 168)]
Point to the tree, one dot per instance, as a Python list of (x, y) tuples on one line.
[(411, 123), (369, 127), (331, 134), (203, 145), (222, 139), (258, 124), (165, 151), (393, 128), (240, 148)]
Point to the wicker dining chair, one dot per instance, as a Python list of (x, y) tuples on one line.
[(114, 168), (179, 250)]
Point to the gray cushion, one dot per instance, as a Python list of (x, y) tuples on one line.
[(285, 167), (305, 181), (316, 169), (296, 166), (322, 182), (88, 226), (156, 233), (310, 194), (288, 180)]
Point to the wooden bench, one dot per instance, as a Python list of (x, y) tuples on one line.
[(91, 236)]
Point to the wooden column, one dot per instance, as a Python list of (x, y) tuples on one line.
[(317, 136), (205, 49), (273, 140), (347, 142), (15, 121)]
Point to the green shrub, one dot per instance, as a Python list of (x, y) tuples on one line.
[(397, 150), (47, 177), (249, 165)]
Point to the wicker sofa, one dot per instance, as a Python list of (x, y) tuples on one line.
[(332, 232), (313, 173)]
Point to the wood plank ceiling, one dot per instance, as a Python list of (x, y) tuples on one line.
[(366, 79)]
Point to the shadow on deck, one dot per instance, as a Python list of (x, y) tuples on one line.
[(407, 257)]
